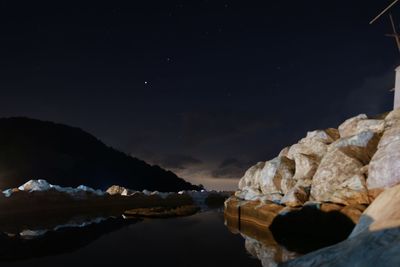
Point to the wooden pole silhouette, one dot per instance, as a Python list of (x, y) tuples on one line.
[(394, 35), (384, 11)]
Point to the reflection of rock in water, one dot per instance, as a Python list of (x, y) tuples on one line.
[(61, 240), (276, 234), (267, 255), (259, 242), (13, 225)]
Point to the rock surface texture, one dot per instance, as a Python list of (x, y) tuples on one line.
[(384, 169)]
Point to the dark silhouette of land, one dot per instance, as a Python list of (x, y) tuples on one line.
[(68, 156)]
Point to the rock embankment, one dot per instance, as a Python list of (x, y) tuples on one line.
[(348, 177), (345, 166), (39, 197)]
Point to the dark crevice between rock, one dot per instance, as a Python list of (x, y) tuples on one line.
[(310, 229)]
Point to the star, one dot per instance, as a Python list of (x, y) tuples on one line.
[(146, 82)]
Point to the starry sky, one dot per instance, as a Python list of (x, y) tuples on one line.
[(204, 88)]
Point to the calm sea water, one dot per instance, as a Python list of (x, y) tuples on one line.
[(198, 240)]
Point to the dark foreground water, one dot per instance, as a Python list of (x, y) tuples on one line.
[(198, 240)]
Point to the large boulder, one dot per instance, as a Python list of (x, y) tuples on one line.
[(339, 179), (349, 126), (252, 176), (269, 180), (360, 123), (314, 144), (306, 166), (361, 146), (250, 193), (307, 155), (384, 168), (277, 176)]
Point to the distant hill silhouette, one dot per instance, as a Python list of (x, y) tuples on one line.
[(68, 156)]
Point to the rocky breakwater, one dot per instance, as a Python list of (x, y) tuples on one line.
[(38, 197), (332, 175)]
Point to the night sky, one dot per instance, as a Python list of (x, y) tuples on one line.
[(204, 88)]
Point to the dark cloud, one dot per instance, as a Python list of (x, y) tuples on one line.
[(201, 127), (178, 161), (373, 96), (231, 168)]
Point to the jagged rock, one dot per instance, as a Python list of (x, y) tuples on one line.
[(333, 133), (310, 147), (249, 193), (392, 118), (314, 144), (339, 179), (296, 197), (284, 152), (361, 146), (361, 123), (392, 134), (349, 126), (277, 176), (377, 126), (340, 176), (326, 136), (267, 180), (306, 166), (252, 176), (384, 168)]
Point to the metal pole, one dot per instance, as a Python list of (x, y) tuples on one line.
[(384, 11)]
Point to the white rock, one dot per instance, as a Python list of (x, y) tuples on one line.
[(361, 146), (339, 179), (306, 166), (252, 176), (384, 168), (349, 127), (43, 185), (35, 185), (277, 176)]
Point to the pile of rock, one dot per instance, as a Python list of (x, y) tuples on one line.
[(334, 165), (343, 171)]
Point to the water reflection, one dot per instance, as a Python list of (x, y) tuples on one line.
[(31, 239), (259, 242), (198, 240)]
